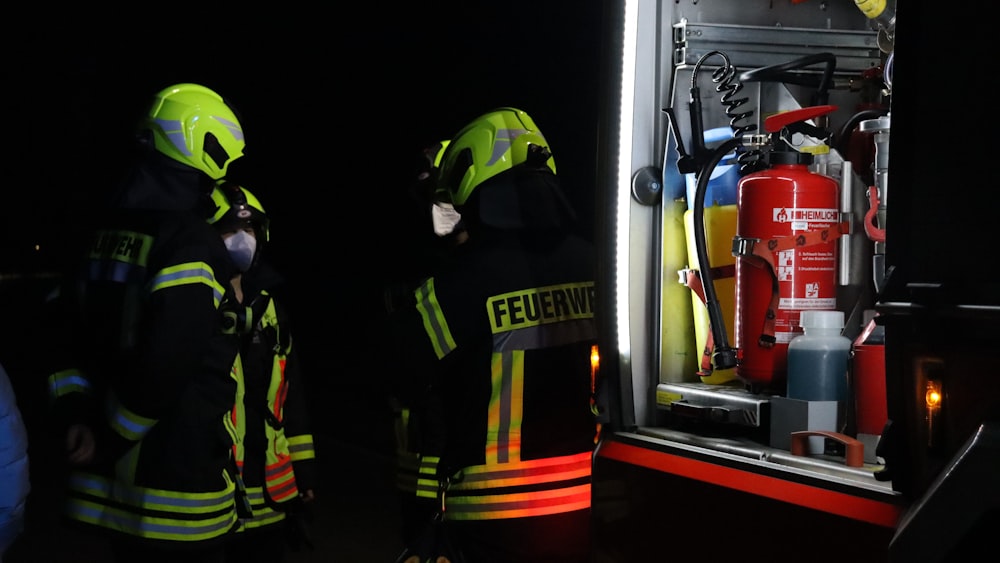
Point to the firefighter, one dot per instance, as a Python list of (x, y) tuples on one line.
[(275, 455), (502, 334), (417, 443), (146, 393)]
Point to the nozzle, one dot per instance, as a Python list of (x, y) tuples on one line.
[(724, 358)]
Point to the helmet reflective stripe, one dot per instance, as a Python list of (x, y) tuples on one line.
[(502, 143), (174, 130), (233, 127)]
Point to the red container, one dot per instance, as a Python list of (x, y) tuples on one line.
[(868, 366)]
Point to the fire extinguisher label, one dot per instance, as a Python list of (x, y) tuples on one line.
[(805, 216)]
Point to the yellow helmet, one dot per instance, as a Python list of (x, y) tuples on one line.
[(492, 143), (194, 126), (236, 208)]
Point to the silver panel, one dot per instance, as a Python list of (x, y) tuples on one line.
[(750, 47)]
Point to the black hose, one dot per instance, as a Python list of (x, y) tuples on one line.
[(724, 356), (778, 73), (843, 136)]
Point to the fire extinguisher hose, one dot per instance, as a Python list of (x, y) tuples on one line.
[(724, 356)]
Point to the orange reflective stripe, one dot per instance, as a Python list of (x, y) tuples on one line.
[(532, 472), (496, 490), (280, 479), (518, 505)]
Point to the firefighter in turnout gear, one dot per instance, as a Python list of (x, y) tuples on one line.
[(145, 396), (503, 333), (275, 455), (417, 443)]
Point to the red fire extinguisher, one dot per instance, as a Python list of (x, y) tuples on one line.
[(788, 221)]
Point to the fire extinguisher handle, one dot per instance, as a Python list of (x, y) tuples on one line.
[(779, 121)]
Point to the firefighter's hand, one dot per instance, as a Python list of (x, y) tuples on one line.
[(81, 447)]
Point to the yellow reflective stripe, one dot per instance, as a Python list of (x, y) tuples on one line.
[(518, 505), (185, 274), (66, 382), (263, 513), (506, 408), (542, 305), (434, 322), (128, 424), (301, 447), (532, 472), (146, 512), (427, 480), (126, 246), (155, 499), (174, 529)]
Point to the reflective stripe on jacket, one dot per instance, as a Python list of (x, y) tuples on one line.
[(151, 513), (148, 351), (272, 487), (512, 331), (520, 489)]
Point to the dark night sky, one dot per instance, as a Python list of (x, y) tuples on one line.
[(336, 104), (335, 107)]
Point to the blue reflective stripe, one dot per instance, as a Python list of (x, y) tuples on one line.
[(127, 423), (174, 130), (66, 382), (185, 274), (234, 128), (113, 270)]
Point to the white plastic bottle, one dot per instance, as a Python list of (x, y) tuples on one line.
[(818, 359)]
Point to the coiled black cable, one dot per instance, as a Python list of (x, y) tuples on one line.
[(739, 121)]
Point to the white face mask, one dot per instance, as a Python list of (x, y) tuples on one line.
[(242, 247), (444, 217)]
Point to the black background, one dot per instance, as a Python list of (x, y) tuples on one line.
[(336, 105)]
